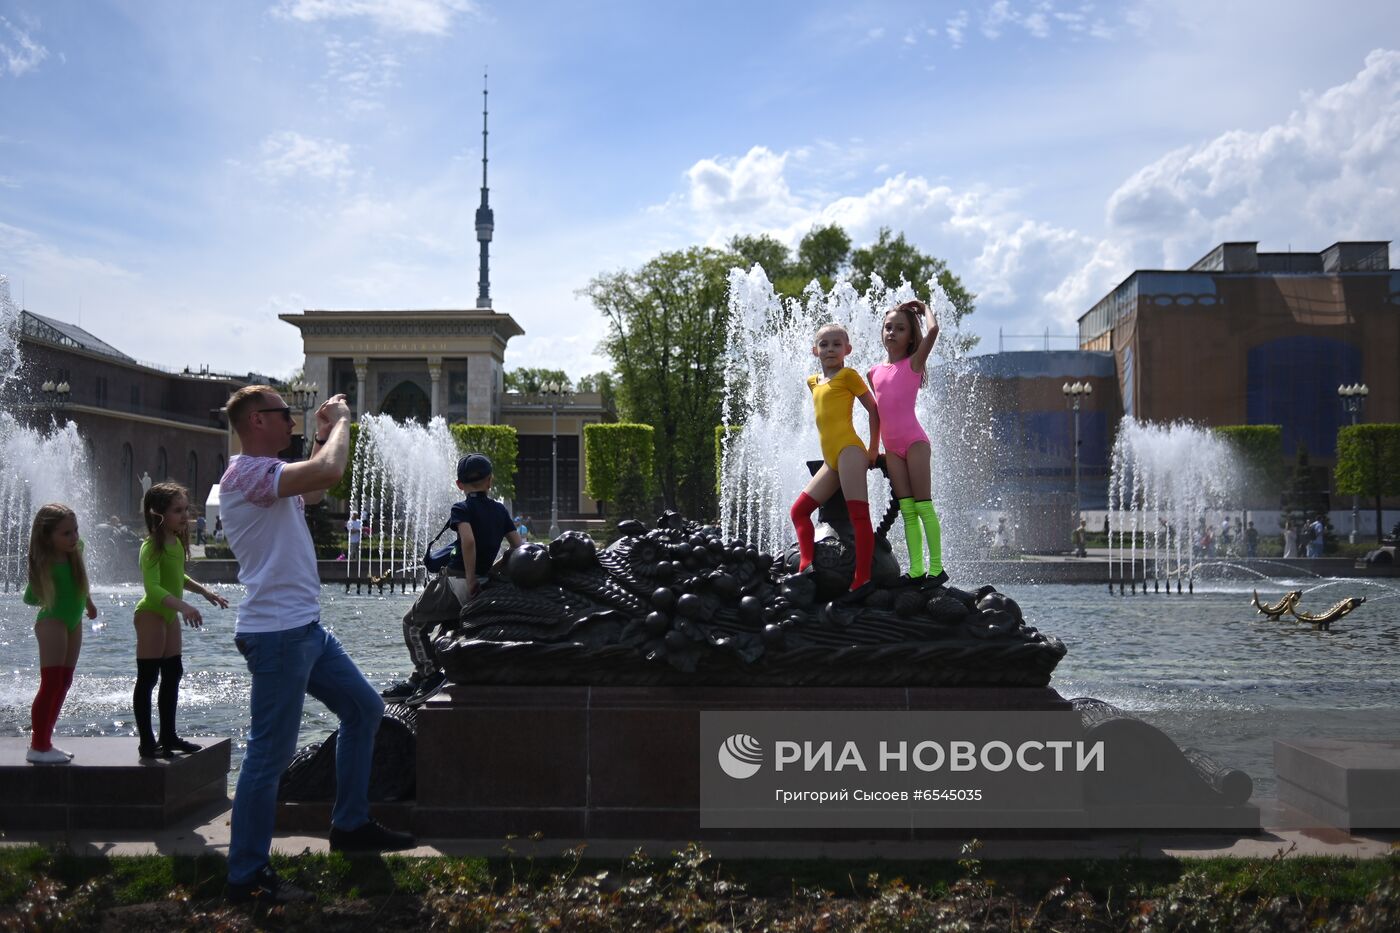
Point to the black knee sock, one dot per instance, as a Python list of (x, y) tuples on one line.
[(147, 673), (171, 670)]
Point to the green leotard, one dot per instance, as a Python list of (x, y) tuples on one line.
[(68, 603), (163, 575)]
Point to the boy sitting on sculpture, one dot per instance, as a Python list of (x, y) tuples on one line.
[(480, 524)]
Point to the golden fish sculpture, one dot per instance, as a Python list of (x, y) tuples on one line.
[(1324, 620), (1278, 609)]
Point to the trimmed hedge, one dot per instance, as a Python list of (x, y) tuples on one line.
[(1260, 446), (341, 490), (500, 442), (614, 454)]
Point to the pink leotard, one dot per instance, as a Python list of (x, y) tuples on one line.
[(895, 386)]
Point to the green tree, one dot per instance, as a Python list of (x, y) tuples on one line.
[(790, 277), (666, 326), (770, 253), (532, 379), (1368, 463), (824, 252), (894, 259)]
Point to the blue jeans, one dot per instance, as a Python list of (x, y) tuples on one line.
[(286, 666)]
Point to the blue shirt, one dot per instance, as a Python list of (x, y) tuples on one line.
[(490, 523)]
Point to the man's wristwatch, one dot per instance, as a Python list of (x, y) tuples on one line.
[(321, 441)]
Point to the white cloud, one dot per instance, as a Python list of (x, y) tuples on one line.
[(18, 51), (359, 73), (957, 27), (1330, 171), (289, 154), (431, 17), (1023, 270), (995, 17), (752, 185)]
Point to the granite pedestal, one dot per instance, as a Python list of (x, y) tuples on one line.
[(1346, 783), (107, 786), (619, 762)]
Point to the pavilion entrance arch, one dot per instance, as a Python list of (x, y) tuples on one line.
[(407, 402)]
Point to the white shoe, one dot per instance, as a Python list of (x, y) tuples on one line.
[(54, 756), (65, 751)]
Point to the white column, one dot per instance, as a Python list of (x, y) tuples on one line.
[(361, 377), (435, 393)]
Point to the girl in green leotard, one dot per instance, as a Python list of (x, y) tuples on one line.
[(58, 585), (166, 507)]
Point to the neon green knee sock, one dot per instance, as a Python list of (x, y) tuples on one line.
[(925, 511), (913, 536)]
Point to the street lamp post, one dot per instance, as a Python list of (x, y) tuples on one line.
[(1353, 401), (56, 393), (1074, 393), (303, 396), (555, 392)]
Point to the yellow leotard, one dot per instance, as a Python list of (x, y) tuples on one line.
[(833, 400)]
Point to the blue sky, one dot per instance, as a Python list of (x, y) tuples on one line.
[(179, 173)]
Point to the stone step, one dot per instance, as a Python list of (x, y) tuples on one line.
[(107, 786)]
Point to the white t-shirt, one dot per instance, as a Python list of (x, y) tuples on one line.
[(269, 537), (354, 526)]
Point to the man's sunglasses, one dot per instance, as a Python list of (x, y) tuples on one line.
[(286, 411)]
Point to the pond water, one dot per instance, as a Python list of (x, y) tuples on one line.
[(1204, 667)]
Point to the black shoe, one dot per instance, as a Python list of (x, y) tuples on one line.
[(934, 582), (265, 888), (370, 837), (178, 744), (429, 689), (400, 691), (856, 595), (152, 751)]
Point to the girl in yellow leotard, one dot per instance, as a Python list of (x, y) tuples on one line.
[(166, 507), (844, 458), (58, 585)]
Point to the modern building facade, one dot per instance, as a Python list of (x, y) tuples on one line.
[(1033, 422), (1250, 337)]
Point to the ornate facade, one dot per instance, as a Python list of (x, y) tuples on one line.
[(410, 364)]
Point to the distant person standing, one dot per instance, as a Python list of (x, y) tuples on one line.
[(199, 529), (1290, 540), (1080, 534), (279, 634), (219, 528), (1319, 530), (354, 528), (1251, 541)]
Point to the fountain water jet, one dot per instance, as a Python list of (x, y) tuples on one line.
[(1166, 481), (37, 465), (768, 410), (402, 484)]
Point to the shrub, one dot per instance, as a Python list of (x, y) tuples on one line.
[(617, 456)]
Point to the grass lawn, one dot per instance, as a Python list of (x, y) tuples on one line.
[(52, 889)]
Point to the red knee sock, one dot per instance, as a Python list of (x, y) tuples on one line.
[(44, 713), (801, 513), (865, 540)]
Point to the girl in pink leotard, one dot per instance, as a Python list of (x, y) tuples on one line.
[(895, 385)]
